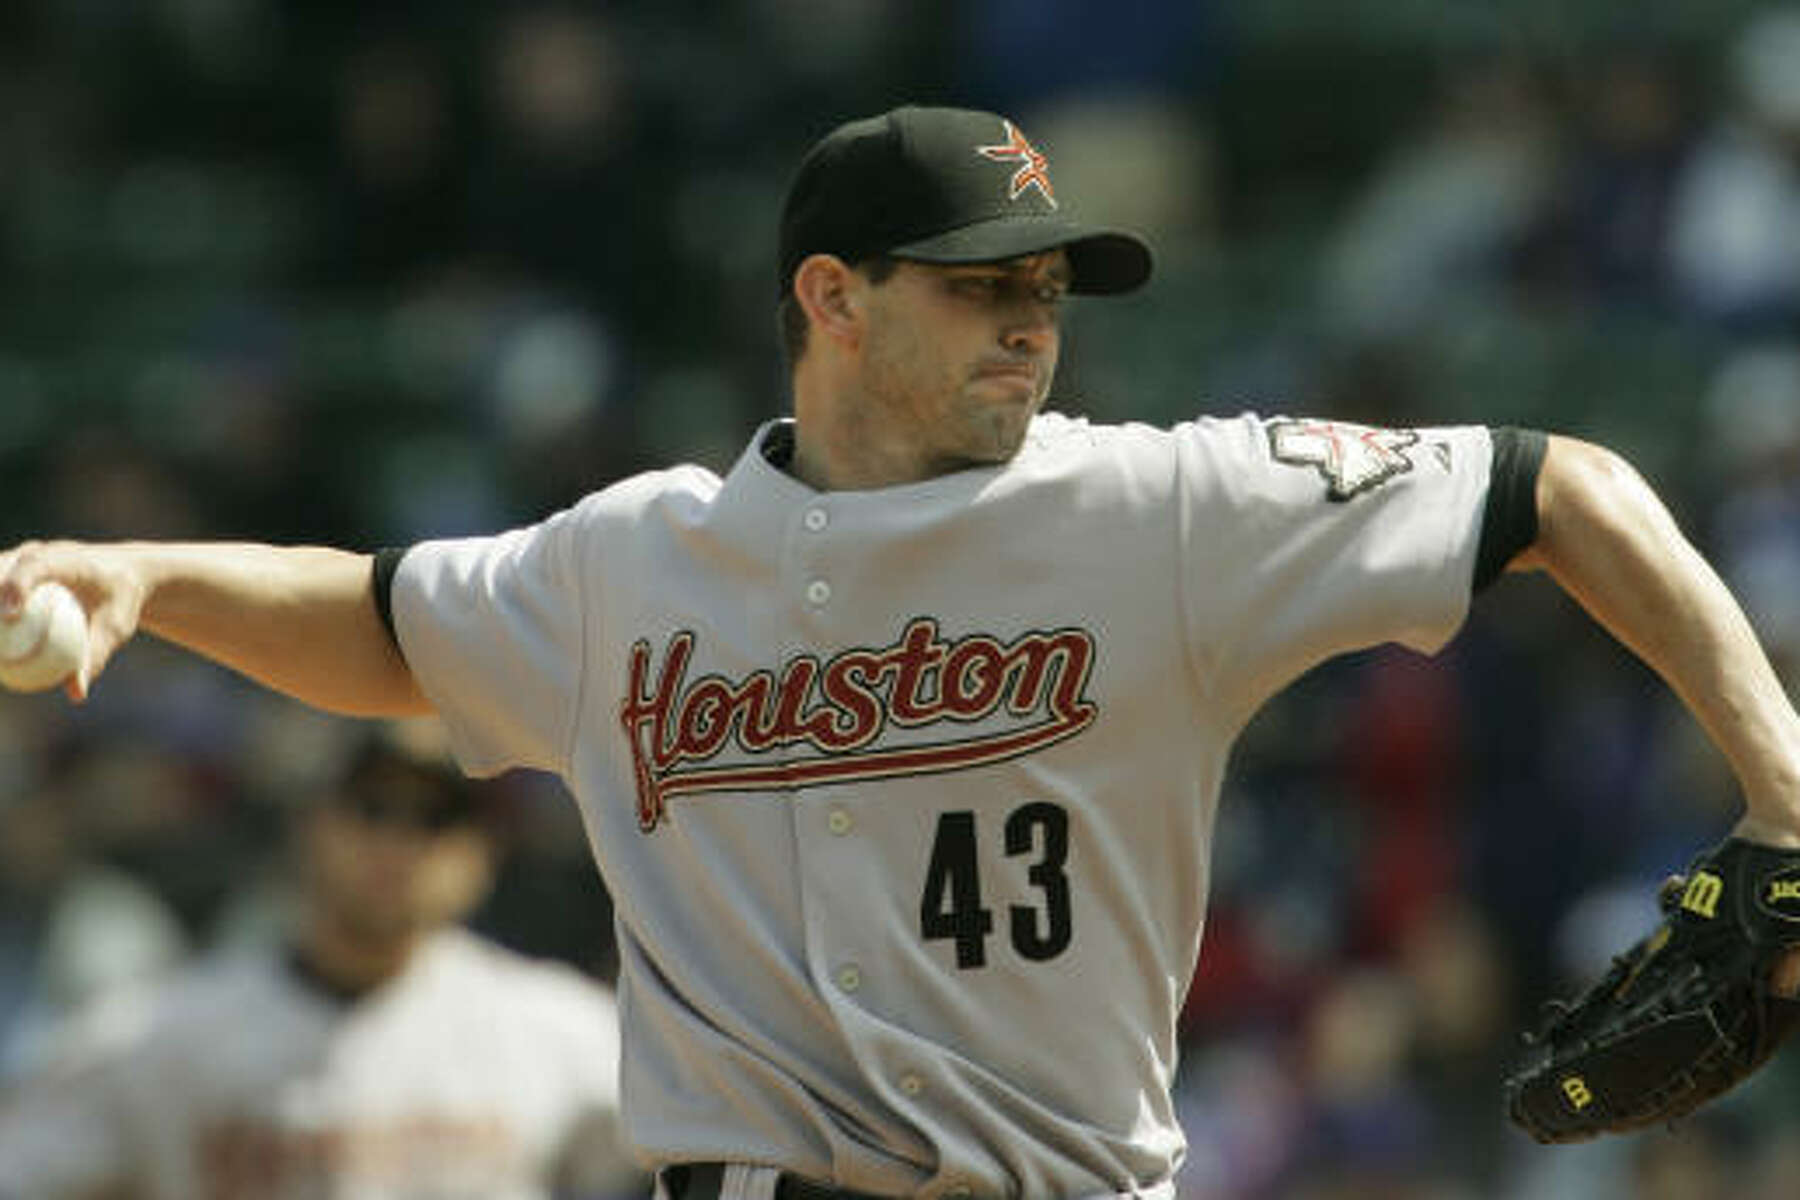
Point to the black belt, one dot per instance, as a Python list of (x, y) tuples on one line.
[(703, 1181)]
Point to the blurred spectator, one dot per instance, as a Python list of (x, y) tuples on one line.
[(833, 49), (1368, 1130), (1100, 48), (1753, 426), (1734, 243), (1241, 1108), (1607, 220), (1401, 762), (73, 926), (395, 208), (1777, 1165), (1144, 158), (101, 483), (1437, 228), (1705, 1158), (1464, 1008), (554, 204)]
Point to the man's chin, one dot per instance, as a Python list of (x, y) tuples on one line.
[(988, 436), (1006, 433)]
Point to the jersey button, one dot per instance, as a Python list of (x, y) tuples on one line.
[(818, 591), (839, 822), (911, 1084), (849, 977), (816, 519)]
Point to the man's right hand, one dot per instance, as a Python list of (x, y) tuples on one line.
[(101, 577)]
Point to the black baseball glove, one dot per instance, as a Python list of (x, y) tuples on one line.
[(1682, 1016)]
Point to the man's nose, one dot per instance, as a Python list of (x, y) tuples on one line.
[(1030, 327)]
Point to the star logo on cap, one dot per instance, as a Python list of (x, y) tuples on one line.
[(1034, 168)]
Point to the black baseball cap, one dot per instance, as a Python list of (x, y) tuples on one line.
[(944, 185)]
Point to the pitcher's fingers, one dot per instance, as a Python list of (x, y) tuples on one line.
[(29, 564), (19, 573), (81, 680), (108, 629)]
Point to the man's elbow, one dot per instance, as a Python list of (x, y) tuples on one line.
[(1585, 490)]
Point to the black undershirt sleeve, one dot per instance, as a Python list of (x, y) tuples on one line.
[(1509, 522), (381, 582)]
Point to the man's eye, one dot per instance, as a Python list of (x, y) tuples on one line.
[(995, 287)]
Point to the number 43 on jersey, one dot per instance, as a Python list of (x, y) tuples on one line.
[(951, 906)]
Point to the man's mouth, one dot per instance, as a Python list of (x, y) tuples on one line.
[(1024, 371)]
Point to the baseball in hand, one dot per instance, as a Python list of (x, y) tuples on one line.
[(47, 643)]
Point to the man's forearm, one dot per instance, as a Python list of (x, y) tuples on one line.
[(300, 620), (1608, 541)]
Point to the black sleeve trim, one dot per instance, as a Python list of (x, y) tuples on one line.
[(381, 582), (1509, 523)]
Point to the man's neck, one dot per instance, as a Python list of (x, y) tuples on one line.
[(829, 472), (837, 448)]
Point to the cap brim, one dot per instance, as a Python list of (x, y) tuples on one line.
[(1101, 261)]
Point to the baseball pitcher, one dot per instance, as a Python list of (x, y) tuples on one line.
[(899, 746)]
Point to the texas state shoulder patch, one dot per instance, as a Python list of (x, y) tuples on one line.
[(1352, 459)]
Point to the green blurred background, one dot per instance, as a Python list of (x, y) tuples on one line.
[(361, 273)]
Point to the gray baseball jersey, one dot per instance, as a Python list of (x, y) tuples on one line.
[(905, 796), (475, 1073)]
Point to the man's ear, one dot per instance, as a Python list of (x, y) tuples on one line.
[(831, 293)]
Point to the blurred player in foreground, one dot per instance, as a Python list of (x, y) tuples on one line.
[(377, 1050)]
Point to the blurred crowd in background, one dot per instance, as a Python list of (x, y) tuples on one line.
[(364, 273)]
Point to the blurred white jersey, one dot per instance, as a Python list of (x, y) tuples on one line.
[(475, 1073)]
